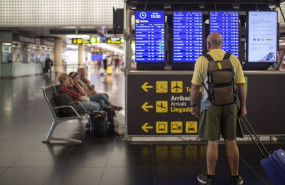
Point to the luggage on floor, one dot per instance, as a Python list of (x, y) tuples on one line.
[(98, 124), (272, 163), (110, 116), (109, 70)]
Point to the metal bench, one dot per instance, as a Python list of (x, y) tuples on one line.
[(49, 93)]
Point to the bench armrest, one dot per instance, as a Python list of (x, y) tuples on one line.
[(79, 103), (67, 106)]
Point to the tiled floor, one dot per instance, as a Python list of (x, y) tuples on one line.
[(24, 160)]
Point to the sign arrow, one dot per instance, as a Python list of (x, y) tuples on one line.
[(145, 127), (145, 106), (145, 86)]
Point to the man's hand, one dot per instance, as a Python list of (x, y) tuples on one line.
[(243, 112), (195, 111)]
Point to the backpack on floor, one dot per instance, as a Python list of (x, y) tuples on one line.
[(98, 124)]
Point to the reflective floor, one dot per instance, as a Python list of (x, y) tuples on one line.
[(25, 160)]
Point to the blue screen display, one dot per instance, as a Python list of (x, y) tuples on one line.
[(149, 35), (187, 36), (227, 24), (96, 57)]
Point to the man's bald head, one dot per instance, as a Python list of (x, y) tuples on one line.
[(215, 39)]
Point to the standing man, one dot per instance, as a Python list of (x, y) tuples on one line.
[(222, 119)]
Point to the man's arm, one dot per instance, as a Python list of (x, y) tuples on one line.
[(242, 97), (194, 98)]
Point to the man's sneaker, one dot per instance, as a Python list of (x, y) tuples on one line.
[(206, 179), (236, 180)]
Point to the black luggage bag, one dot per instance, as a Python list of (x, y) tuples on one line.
[(98, 124)]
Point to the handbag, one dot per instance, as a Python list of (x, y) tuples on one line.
[(84, 99)]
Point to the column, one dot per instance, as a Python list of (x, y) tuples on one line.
[(80, 55), (57, 55)]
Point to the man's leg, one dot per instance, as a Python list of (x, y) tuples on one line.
[(89, 106), (99, 96), (212, 157), (233, 156)]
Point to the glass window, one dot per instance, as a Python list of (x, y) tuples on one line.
[(20, 53), (6, 52)]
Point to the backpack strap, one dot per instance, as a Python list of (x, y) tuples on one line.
[(227, 56), (210, 59)]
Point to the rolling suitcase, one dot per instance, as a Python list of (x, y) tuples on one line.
[(273, 163)]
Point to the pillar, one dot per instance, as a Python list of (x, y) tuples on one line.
[(57, 55), (80, 55)]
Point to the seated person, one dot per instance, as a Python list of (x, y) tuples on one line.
[(67, 88), (84, 82), (96, 97)]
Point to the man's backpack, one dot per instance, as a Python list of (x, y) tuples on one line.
[(221, 88), (98, 124), (62, 100)]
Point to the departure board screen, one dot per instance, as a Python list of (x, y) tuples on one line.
[(149, 33), (187, 36), (226, 23), (262, 36)]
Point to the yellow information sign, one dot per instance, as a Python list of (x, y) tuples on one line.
[(161, 106), (161, 127), (161, 86), (176, 127), (146, 128), (145, 107), (145, 86), (191, 127), (176, 86)]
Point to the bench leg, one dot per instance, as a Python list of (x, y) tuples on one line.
[(51, 130)]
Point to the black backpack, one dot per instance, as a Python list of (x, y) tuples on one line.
[(64, 99), (221, 88), (98, 124)]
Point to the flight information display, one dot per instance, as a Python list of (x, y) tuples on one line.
[(262, 36), (149, 35), (227, 24), (187, 36)]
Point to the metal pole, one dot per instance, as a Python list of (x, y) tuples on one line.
[(127, 49)]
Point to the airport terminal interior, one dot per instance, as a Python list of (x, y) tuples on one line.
[(147, 73)]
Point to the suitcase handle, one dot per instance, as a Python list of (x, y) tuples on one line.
[(257, 142)]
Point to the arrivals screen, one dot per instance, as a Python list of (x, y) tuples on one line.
[(262, 36), (149, 33), (227, 24), (187, 36)]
